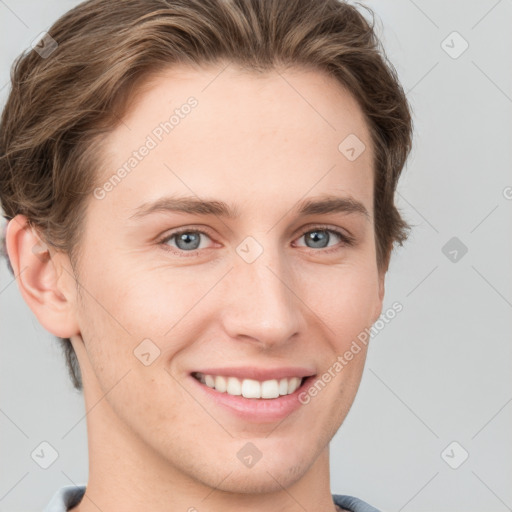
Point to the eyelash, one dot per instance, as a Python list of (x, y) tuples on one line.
[(346, 241)]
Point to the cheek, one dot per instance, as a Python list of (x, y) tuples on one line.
[(127, 314), (133, 304), (344, 298), (133, 389)]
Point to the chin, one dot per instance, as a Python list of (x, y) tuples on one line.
[(261, 480)]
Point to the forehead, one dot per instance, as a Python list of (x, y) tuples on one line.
[(220, 131)]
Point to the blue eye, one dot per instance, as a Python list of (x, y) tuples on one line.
[(319, 237), (189, 240), (186, 241)]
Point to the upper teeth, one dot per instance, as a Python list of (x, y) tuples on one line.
[(250, 388)]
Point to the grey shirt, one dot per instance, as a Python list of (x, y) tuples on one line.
[(69, 496)]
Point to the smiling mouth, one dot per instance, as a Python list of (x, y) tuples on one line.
[(250, 388)]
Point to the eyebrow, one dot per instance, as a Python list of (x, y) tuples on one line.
[(194, 205)]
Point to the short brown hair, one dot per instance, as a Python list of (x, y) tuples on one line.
[(59, 106)]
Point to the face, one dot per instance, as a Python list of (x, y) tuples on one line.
[(275, 289)]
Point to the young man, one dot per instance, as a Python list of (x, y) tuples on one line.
[(200, 198)]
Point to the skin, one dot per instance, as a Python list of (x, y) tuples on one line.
[(155, 441)]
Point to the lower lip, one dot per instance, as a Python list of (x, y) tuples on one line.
[(259, 410)]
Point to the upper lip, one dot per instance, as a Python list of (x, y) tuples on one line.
[(261, 374)]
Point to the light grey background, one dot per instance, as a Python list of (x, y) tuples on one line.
[(440, 371)]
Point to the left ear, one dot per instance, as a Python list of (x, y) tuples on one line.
[(48, 290), (380, 299)]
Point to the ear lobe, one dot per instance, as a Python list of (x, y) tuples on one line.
[(382, 286), (378, 307), (40, 275)]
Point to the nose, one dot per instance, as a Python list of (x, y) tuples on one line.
[(261, 304)]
